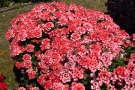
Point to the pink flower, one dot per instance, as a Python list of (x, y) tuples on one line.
[(104, 74), (55, 66), (21, 88), (103, 77), (33, 88), (65, 77), (29, 48), (27, 64), (10, 34), (31, 74), (48, 85), (16, 49), (35, 33), (133, 37), (77, 86), (75, 36), (45, 44), (27, 61), (132, 56), (36, 41), (49, 25), (19, 65), (41, 79), (120, 71), (63, 21), (77, 74), (88, 26), (95, 48), (58, 86), (26, 57), (21, 36), (130, 67)]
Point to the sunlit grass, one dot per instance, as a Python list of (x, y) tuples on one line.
[(92, 4)]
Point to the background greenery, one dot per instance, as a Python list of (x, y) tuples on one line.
[(5, 3), (123, 13)]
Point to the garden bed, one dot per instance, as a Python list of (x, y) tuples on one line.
[(57, 40), (7, 64)]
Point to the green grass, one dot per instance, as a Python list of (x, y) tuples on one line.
[(92, 4), (6, 63)]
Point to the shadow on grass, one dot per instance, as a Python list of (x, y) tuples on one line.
[(9, 9), (123, 13), (22, 4)]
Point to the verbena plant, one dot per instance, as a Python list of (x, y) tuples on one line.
[(67, 47)]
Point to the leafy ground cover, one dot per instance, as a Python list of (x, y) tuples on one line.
[(6, 63)]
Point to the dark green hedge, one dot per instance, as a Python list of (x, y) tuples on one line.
[(5, 2), (123, 13)]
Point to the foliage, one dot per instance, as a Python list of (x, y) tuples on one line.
[(122, 11), (67, 47), (5, 3)]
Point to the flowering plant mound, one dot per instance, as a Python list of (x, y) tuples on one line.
[(3, 85), (67, 47)]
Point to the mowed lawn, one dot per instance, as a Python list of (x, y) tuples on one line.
[(6, 63)]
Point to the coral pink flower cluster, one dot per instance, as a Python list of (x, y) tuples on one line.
[(67, 47)]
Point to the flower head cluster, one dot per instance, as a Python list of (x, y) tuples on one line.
[(3, 85), (67, 47)]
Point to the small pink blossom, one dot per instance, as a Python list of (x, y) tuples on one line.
[(31, 74), (120, 71), (75, 36), (26, 57), (49, 25), (29, 48), (77, 86), (34, 88), (133, 36), (45, 44), (21, 88), (58, 86)]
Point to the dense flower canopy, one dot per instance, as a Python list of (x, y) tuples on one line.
[(67, 47)]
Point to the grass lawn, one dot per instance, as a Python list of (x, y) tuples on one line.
[(6, 63)]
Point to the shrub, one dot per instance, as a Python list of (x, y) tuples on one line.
[(123, 13), (61, 47), (5, 3)]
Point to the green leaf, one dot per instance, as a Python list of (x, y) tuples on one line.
[(37, 75), (22, 79), (75, 51), (87, 45)]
